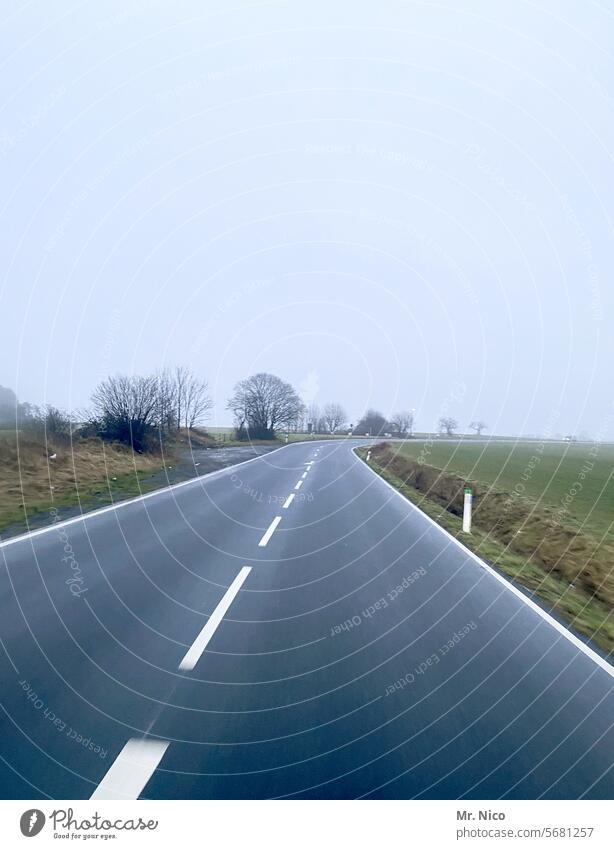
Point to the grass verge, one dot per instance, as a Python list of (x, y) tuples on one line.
[(577, 606), (88, 472)]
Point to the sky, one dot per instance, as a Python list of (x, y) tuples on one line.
[(399, 205)]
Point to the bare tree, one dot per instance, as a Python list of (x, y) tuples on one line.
[(478, 427), (127, 409), (373, 423), (402, 422), (313, 417), (448, 425), (167, 400), (197, 402), (56, 422), (190, 397), (334, 417), (263, 403), (181, 376)]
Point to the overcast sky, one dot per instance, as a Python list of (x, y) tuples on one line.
[(391, 204)]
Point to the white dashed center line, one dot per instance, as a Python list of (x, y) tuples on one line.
[(200, 643), (304, 475), (131, 770), (288, 501), (299, 485), (270, 531)]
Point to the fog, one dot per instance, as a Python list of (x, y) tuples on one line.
[(392, 205)]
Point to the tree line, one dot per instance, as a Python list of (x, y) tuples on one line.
[(135, 410), (263, 404), (141, 410)]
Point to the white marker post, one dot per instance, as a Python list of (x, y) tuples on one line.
[(467, 511), (368, 456)]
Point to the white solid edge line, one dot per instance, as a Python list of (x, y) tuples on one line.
[(200, 643), (288, 501), (83, 517), (596, 658), (270, 531), (299, 485), (131, 770)]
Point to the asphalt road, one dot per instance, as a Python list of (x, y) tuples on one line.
[(189, 645)]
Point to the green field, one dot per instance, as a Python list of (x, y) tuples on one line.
[(551, 474), (555, 537)]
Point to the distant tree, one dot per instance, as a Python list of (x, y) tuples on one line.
[(402, 423), (8, 406), (167, 401), (43, 420), (478, 427), (39, 423), (373, 423), (56, 423), (262, 404), (196, 402), (334, 417), (26, 412), (183, 399), (181, 376), (314, 417), (447, 425)]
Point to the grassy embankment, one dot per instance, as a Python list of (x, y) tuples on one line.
[(88, 473), (543, 515)]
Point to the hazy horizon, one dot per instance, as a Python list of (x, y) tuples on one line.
[(398, 207)]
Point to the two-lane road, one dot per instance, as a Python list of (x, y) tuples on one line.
[(288, 627)]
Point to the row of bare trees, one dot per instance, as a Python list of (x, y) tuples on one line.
[(374, 423), (136, 410), (263, 403), (331, 418), (449, 426)]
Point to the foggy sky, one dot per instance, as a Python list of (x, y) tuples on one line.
[(392, 204)]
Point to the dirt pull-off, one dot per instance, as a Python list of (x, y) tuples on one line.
[(552, 540)]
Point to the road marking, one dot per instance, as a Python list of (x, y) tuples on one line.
[(131, 769), (299, 485), (270, 531), (289, 501), (304, 475), (600, 661), (200, 643)]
